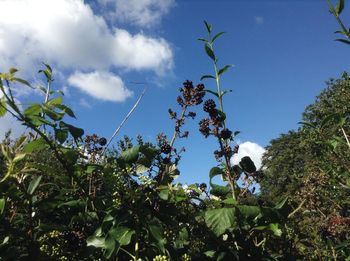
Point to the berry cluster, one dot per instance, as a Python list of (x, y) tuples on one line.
[(163, 144), (215, 125), (191, 95)]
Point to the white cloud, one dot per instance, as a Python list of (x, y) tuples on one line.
[(259, 20), (102, 85), (251, 149), (144, 13), (68, 35)]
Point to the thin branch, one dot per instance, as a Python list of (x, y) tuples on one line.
[(124, 120), (346, 137)]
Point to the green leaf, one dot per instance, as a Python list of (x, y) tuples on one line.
[(281, 203), (212, 92), (73, 203), (249, 211), (230, 201), (219, 220), (343, 41), (203, 40), (210, 52), (74, 131), (339, 7), (208, 26), (217, 36), (2, 205), (33, 185), (61, 135), (98, 242), (92, 168), (19, 157), (157, 232), (208, 76), (273, 227), (122, 234), (33, 109), (23, 82), (164, 193), (215, 171), (3, 107), (109, 247), (224, 69), (35, 145), (219, 191), (13, 70), (66, 110), (131, 155), (55, 101)]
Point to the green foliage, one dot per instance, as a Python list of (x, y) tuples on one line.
[(311, 166)]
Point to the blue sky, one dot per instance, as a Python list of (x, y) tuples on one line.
[(283, 51)]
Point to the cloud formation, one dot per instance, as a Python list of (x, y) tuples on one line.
[(251, 149), (102, 85), (68, 35), (143, 13)]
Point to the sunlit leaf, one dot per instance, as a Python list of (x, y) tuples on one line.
[(210, 52), (217, 36), (2, 107), (33, 185), (219, 220)]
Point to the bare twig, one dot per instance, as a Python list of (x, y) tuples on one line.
[(124, 120)]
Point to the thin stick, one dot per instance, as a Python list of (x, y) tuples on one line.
[(125, 119), (346, 137)]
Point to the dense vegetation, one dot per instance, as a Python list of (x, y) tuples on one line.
[(65, 195)]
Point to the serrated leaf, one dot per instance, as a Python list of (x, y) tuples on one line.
[(3, 107), (219, 220), (33, 185), (209, 52), (207, 77), (224, 69), (217, 36)]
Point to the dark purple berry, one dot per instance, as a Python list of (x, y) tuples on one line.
[(209, 106)]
